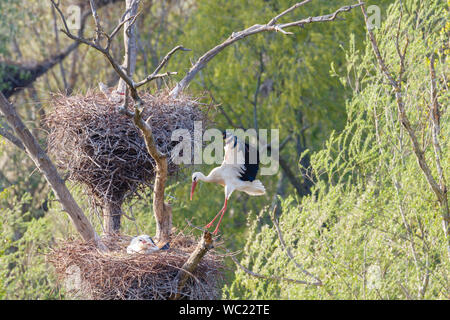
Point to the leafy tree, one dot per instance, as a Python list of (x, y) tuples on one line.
[(24, 242), (372, 226)]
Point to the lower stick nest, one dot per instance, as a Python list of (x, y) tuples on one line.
[(87, 273), (99, 147)]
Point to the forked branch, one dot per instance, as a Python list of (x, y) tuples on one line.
[(105, 50), (272, 25)]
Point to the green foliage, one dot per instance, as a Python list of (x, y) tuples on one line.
[(24, 241), (372, 228), (355, 230), (296, 88)]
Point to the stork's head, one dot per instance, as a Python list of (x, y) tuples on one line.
[(142, 243), (195, 178), (145, 241)]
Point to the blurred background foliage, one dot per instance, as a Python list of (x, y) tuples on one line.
[(370, 215)]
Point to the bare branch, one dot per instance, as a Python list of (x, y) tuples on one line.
[(441, 194), (257, 28), (292, 177), (119, 26), (403, 117), (105, 51), (273, 278), (295, 6), (131, 24), (12, 138), (186, 271), (58, 46), (98, 27), (288, 250), (435, 115), (168, 56), (130, 44)]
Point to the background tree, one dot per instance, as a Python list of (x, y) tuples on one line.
[(347, 232), (372, 227)]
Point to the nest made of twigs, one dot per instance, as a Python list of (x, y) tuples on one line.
[(87, 273), (101, 148)]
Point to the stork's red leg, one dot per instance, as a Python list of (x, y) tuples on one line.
[(220, 220), (221, 211), (212, 221)]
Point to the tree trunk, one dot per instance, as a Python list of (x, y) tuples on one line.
[(44, 164), (130, 42), (111, 218), (161, 210)]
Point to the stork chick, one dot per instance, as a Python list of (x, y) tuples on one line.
[(142, 244)]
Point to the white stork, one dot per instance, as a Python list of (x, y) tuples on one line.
[(237, 172), (142, 244)]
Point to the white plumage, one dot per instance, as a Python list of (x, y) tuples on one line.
[(142, 244), (237, 172)]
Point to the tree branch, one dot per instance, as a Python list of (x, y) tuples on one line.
[(289, 253), (441, 194), (293, 179), (98, 27), (257, 28), (273, 278), (132, 86), (130, 43), (12, 138), (154, 74), (295, 6), (188, 268), (18, 76), (44, 164)]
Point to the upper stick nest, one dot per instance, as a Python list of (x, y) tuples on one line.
[(88, 273), (103, 149)]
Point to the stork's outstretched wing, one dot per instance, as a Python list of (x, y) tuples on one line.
[(242, 157)]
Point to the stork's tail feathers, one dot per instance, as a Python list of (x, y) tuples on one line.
[(256, 188)]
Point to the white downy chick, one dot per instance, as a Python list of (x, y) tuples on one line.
[(142, 244)]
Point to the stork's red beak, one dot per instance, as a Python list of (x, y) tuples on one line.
[(194, 183)]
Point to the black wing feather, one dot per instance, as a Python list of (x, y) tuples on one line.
[(249, 169)]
